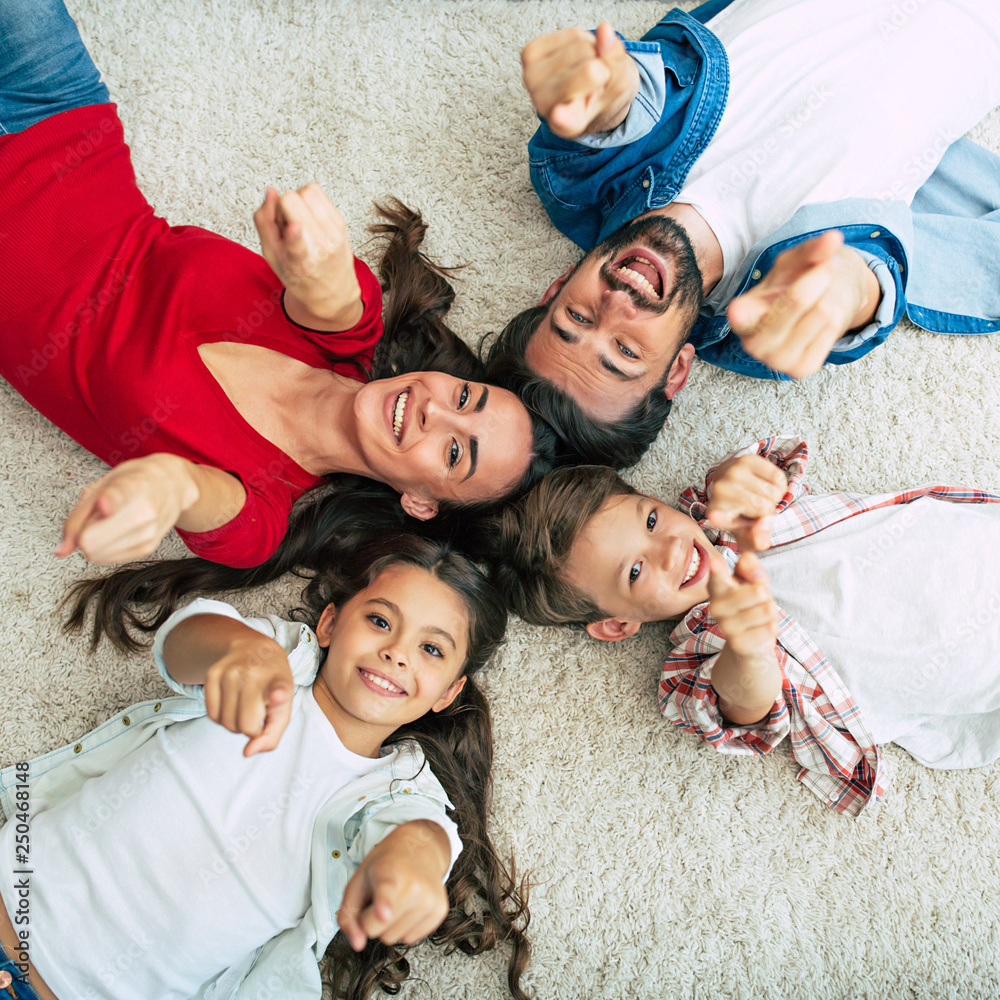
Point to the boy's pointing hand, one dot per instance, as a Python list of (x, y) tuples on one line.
[(745, 492), (580, 82)]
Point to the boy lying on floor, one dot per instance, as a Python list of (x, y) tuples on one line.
[(886, 627)]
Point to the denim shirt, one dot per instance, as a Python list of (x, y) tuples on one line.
[(935, 260), (347, 827)]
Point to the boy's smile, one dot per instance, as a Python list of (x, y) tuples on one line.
[(640, 560)]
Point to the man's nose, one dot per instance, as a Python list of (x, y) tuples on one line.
[(619, 303)]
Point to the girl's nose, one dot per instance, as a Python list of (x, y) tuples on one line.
[(395, 654)]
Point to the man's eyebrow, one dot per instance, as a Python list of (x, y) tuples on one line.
[(482, 400), (473, 457), (570, 338), (617, 372)]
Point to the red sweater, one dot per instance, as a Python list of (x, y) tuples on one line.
[(103, 306)]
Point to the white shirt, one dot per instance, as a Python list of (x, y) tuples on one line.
[(903, 605), (848, 105)]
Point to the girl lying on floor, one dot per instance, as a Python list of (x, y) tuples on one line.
[(886, 628), (209, 868)]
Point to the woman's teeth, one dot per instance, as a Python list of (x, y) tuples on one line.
[(692, 566), (382, 682), (398, 412)]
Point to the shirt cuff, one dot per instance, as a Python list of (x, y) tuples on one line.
[(647, 106), (886, 307)]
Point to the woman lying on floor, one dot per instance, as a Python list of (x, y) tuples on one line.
[(220, 385)]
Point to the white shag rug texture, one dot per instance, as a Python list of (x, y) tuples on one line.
[(664, 869)]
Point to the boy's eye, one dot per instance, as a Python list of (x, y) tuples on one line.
[(453, 455), (378, 621), (464, 396), (575, 316), (651, 520), (429, 647), (633, 574), (626, 351)]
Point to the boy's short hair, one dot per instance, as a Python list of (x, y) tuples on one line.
[(536, 536)]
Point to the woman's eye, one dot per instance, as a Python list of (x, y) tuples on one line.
[(575, 316), (453, 455), (626, 351), (378, 621), (464, 397), (651, 520), (634, 572), (429, 647)]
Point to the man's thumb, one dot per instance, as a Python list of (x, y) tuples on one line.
[(745, 312), (607, 41)]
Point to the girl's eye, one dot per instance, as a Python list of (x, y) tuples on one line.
[(378, 621), (453, 455), (651, 520), (575, 316), (633, 574), (429, 647), (626, 351), (464, 396)]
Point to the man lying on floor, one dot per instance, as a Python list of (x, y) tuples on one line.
[(770, 184)]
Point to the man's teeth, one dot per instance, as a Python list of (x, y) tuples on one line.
[(692, 566), (624, 269), (382, 682), (397, 415)]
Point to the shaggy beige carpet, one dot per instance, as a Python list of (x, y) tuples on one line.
[(663, 868)]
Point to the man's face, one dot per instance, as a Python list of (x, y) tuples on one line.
[(618, 322)]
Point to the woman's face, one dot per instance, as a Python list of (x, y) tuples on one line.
[(435, 437)]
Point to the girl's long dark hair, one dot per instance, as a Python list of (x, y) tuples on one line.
[(335, 517), (487, 905)]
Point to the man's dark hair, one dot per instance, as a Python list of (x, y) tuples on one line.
[(617, 443)]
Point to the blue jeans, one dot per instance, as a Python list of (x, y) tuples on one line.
[(44, 66), (20, 990)]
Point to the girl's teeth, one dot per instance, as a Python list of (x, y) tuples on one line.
[(381, 682), (397, 416)]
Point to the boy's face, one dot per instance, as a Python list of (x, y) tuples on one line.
[(640, 561)]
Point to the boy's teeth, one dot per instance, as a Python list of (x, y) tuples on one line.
[(397, 415), (692, 566), (382, 682)]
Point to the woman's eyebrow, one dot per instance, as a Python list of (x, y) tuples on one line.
[(482, 400), (473, 455)]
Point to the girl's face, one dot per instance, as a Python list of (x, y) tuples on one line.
[(395, 652), (640, 561), (435, 437)]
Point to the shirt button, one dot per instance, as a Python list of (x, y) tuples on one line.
[(157, 707), (309, 638), (756, 274), (334, 854), (78, 748), (126, 720), (406, 791), (361, 798), (876, 234), (645, 183)]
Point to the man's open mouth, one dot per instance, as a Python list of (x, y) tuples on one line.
[(640, 272)]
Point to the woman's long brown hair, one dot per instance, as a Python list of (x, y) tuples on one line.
[(488, 906)]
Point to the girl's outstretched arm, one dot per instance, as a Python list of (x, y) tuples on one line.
[(126, 513), (247, 679), (397, 894)]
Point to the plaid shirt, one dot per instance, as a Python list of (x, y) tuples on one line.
[(830, 741)]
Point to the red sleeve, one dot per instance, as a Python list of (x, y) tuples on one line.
[(250, 538), (358, 342)]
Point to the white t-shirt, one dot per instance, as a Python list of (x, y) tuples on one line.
[(859, 100), (905, 603), (180, 859)]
